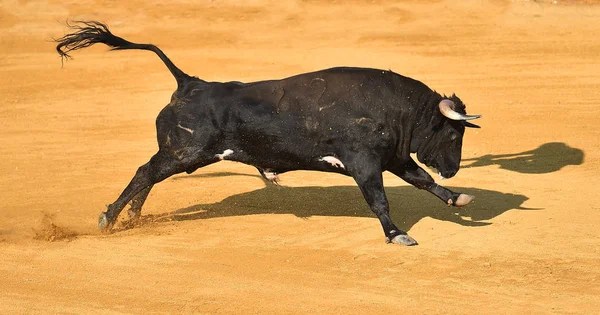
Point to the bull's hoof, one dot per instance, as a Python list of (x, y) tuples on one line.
[(403, 239), (463, 200), (103, 223)]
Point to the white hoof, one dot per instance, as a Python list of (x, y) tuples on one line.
[(403, 239), (103, 223), (463, 200)]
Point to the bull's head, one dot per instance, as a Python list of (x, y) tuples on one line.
[(442, 144)]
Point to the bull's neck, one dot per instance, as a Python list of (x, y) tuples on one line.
[(426, 118)]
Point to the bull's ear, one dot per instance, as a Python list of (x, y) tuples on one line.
[(471, 125)]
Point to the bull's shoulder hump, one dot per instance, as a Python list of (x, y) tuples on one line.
[(371, 72)]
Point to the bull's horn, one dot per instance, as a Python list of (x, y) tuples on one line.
[(447, 109)]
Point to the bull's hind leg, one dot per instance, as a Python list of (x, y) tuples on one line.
[(418, 177), (161, 166), (134, 212), (370, 181), (157, 169)]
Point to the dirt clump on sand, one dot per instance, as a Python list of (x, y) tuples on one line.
[(50, 232)]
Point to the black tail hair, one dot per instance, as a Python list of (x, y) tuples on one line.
[(88, 33)]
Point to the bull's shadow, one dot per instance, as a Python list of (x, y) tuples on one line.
[(408, 205), (547, 158)]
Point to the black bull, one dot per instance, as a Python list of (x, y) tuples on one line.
[(352, 121)]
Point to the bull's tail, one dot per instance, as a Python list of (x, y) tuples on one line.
[(88, 33)]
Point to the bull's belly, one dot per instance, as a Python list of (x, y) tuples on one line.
[(280, 161)]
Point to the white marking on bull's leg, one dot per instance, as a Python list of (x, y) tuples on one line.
[(186, 129), (224, 154), (441, 176), (333, 161), (272, 177)]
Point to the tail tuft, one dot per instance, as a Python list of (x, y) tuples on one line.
[(86, 33)]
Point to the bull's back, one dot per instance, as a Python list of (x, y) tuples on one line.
[(295, 121)]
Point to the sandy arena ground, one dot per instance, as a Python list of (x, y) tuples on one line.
[(221, 241)]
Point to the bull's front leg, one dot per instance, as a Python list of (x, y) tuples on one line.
[(418, 177), (370, 181)]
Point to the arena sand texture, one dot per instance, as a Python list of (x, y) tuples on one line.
[(220, 241)]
